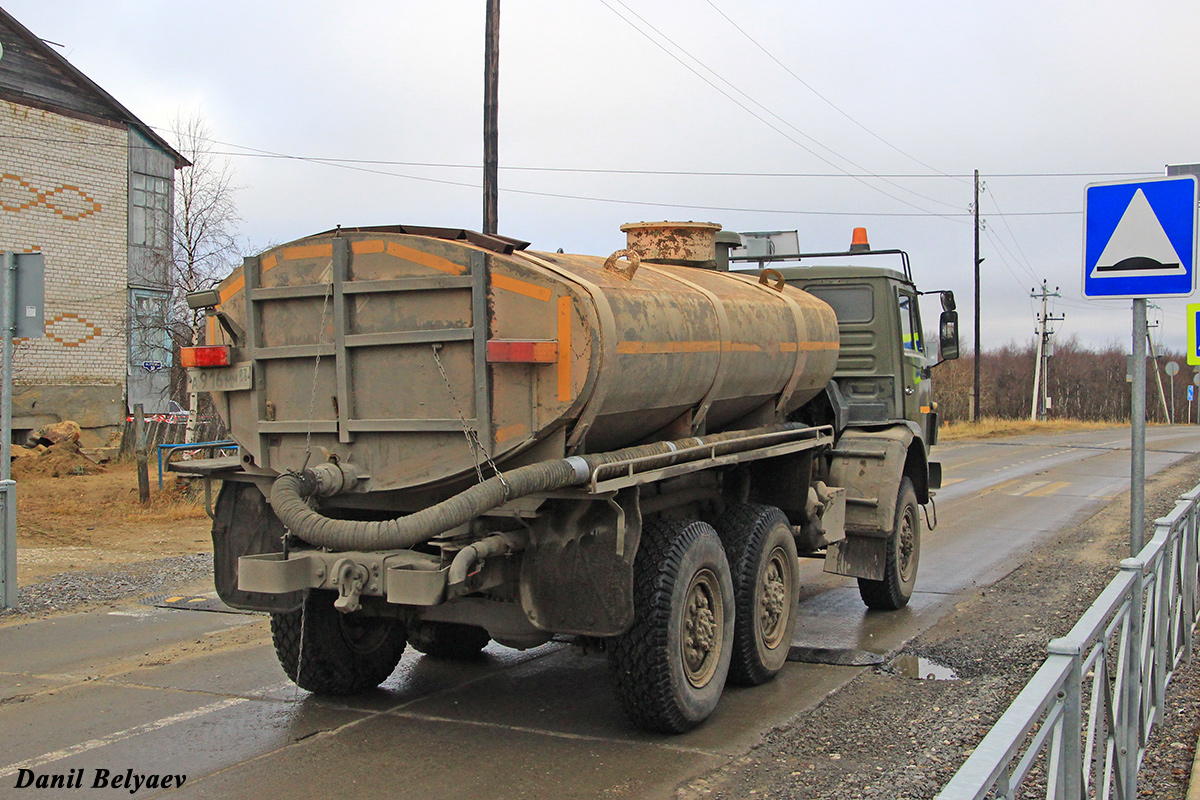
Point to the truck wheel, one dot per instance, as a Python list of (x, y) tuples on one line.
[(328, 652), (669, 668), (903, 553), (766, 583), (448, 640)]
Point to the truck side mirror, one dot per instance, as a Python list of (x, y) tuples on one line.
[(948, 336), (948, 300)]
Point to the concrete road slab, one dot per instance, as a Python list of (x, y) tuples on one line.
[(399, 757), (88, 643)]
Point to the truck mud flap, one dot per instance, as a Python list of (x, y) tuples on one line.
[(583, 583), (858, 557), (244, 525)]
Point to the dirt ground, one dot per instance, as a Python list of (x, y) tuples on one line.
[(92, 521)]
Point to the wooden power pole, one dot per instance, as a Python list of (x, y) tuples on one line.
[(977, 260), (491, 103)]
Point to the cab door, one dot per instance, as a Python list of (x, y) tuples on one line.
[(914, 372)]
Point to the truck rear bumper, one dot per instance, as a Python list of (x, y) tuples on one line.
[(401, 576)]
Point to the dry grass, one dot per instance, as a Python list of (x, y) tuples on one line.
[(108, 497), (993, 427)]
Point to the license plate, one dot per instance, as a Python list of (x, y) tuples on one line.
[(237, 378)]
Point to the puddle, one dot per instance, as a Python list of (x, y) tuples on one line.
[(923, 669)]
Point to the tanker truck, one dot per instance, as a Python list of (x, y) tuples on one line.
[(445, 439)]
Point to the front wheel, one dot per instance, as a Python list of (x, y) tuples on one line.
[(328, 652), (670, 667), (903, 553)]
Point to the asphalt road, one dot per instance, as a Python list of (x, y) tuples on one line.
[(147, 692)]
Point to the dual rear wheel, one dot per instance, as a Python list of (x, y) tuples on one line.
[(710, 605)]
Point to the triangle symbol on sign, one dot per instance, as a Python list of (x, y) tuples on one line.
[(1139, 246)]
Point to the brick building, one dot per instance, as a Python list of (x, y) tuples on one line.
[(90, 186)]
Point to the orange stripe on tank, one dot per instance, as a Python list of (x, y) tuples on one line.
[(521, 287), (425, 259), (564, 349), (509, 432), (229, 291), (791, 347), (369, 246), (659, 348), (308, 251)]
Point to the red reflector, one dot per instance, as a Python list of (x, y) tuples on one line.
[(525, 352), (211, 356)]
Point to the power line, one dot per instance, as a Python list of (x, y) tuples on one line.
[(689, 206), (358, 165), (1012, 234), (582, 170), (750, 111), (1000, 251), (827, 101)]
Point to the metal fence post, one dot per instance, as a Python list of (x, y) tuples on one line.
[(1129, 715), (1069, 775), (1188, 589)]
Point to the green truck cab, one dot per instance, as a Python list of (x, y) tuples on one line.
[(881, 407)]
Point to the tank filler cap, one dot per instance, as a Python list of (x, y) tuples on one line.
[(858, 241), (688, 244)]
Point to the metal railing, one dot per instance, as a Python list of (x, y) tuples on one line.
[(1079, 727)]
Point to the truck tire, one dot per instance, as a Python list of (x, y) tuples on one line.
[(328, 652), (766, 584), (448, 640), (903, 555), (670, 667)]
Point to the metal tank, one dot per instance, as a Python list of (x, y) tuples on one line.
[(419, 354)]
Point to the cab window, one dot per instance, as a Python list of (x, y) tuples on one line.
[(910, 324), (850, 303)]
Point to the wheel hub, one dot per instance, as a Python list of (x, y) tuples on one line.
[(772, 599), (702, 628), (907, 542)]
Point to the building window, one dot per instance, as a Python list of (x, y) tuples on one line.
[(149, 334), (149, 208)]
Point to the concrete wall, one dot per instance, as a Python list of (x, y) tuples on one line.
[(63, 192)]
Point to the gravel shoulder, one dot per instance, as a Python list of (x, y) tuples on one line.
[(885, 735)]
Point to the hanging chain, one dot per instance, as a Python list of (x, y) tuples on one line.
[(312, 400), (473, 442)]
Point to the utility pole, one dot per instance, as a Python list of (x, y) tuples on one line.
[(1041, 371), (1162, 395), (975, 207), (491, 103)]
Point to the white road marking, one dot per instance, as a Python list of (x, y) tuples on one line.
[(128, 733)]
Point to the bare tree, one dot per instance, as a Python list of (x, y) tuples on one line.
[(205, 247), (204, 239)]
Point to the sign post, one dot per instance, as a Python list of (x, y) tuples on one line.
[(1172, 369), (1139, 241), (22, 295)]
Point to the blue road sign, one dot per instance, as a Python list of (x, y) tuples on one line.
[(1193, 317), (1139, 238), (1191, 393)]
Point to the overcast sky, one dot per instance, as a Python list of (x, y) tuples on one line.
[(820, 115)]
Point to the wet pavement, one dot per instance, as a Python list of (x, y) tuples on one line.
[(162, 691)]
